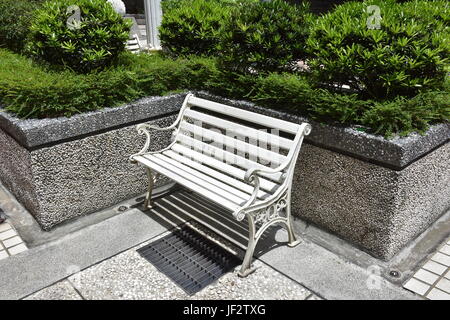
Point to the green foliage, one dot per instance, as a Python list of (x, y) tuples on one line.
[(15, 21), (264, 36), (283, 90), (403, 115), (407, 55), (337, 107), (29, 90), (156, 75), (94, 43), (32, 91), (192, 26)]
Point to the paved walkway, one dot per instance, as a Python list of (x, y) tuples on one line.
[(129, 276), (99, 261)]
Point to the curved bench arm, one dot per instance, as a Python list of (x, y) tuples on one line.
[(144, 129), (292, 155), (252, 175)]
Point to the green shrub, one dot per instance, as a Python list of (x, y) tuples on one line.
[(264, 36), (192, 26), (93, 44), (407, 55), (337, 108), (30, 91), (15, 21), (404, 116), (285, 91)]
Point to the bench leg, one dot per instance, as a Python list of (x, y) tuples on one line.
[(148, 197), (246, 267), (293, 240)]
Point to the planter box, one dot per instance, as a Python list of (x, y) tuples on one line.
[(379, 194), (67, 167)]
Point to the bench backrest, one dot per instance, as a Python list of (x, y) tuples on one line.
[(232, 140)]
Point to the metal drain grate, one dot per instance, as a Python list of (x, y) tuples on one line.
[(189, 259)]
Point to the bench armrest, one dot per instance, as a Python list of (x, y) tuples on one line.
[(292, 155), (252, 175), (144, 129)]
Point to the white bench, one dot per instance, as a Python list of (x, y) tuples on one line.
[(223, 153)]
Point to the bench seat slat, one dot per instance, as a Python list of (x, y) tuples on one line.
[(221, 166), (203, 177), (257, 135), (191, 175), (223, 199), (214, 173), (245, 115), (225, 156), (240, 145)]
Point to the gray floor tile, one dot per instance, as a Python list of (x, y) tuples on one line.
[(426, 276), (416, 286), (441, 258), (444, 285), (436, 294), (435, 267)]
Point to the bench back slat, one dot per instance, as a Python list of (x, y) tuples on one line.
[(240, 146), (225, 156), (239, 129), (253, 117)]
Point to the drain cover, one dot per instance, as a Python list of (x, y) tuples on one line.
[(189, 259)]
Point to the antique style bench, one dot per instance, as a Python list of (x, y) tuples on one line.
[(241, 160)]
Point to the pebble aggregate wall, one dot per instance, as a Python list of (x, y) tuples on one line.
[(60, 180), (377, 208)]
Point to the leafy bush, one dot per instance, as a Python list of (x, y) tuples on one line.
[(192, 26), (264, 36), (29, 90), (93, 43), (15, 21), (156, 74), (340, 108), (407, 55), (403, 115), (285, 90), (32, 91)]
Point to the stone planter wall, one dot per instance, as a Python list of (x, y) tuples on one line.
[(67, 167), (379, 194)]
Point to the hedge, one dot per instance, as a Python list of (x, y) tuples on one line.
[(31, 90)]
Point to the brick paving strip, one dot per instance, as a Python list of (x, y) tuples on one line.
[(10, 241), (432, 280)]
